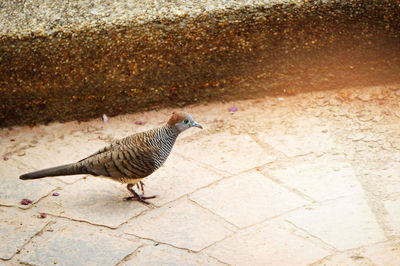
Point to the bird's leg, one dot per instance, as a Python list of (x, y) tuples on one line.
[(140, 185), (137, 196)]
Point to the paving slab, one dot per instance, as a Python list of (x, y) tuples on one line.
[(160, 254), (348, 258), (16, 230), (390, 174), (392, 215), (176, 178), (247, 199), (380, 254), (344, 223), (270, 243), (76, 245), (384, 254), (68, 152), (13, 190), (95, 200), (240, 152), (318, 177), (285, 135), (182, 224)]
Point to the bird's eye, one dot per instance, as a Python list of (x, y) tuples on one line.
[(185, 121)]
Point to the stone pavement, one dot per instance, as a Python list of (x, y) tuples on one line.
[(306, 179)]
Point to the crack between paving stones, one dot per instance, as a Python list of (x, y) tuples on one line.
[(66, 183), (219, 260), (290, 189), (268, 148), (204, 165), (225, 178), (83, 221), (338, 252), (7, 206), (193, 202), (254, 225), (200, 188), (371, 199), (154, 206), (149, 208), (219, 241), (326, 246), (30, 239), (289, 211), (281, 155), (124, 259), (180, 197), (36, 202), (213, 213), (26, 263), (328, 257), (78, 220), (23, 148), (223, 172), (164, 243)]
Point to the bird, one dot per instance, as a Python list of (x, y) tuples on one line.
[(129, 159)]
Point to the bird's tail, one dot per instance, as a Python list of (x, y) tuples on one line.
[(66, 169)]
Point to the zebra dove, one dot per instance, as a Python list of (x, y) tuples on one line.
[(130, 159)]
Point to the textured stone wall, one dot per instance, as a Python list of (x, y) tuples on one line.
[(70, 65)]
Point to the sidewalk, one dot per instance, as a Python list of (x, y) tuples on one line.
[(309, 179)]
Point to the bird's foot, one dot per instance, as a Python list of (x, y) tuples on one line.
[(139, 197)]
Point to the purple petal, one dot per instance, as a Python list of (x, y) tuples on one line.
[(55, 194), (233, 109), (26, 201), (105, 118), (141, 123)]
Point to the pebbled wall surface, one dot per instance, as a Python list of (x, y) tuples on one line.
[(67, 60)]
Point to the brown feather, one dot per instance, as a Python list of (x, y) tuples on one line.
[(176, 118)]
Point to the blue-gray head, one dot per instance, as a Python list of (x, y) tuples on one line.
[(182, 121)]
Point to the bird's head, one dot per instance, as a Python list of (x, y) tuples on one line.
[(182, 121)]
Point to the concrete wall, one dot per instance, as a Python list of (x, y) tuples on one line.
[(63, 60)]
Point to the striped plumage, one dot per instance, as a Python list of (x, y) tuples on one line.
[(130, 159)]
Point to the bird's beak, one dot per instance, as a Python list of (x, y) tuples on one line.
[(195, 124)]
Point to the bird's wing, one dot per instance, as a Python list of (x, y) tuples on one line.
[(126, 158), (109, 147), (116, 145)]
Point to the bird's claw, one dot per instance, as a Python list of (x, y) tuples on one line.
[(141, 199), (137, 196)]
